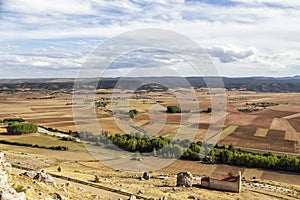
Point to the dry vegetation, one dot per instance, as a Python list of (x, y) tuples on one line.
[(161, 184)]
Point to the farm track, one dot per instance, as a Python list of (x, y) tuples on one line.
[(97, 186)]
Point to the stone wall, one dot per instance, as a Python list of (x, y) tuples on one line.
[(232, 186), (224, 185)]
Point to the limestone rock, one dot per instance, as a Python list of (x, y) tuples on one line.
[(40, 176), (132, 197), (192, 197), (6, 191), (13, 196), (185, 179)]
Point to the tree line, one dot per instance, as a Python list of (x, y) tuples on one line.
[(60, 148), (267, 161), (195, 151), (8, 120)]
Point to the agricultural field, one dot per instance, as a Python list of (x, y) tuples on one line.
[(273, 128), (269, 129)]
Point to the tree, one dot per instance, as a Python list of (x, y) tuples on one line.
[(131, 145), (226, 156), (59, 169), (212, 154), (231, 147)]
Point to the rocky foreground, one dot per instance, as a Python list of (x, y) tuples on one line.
[(38, 184), (7, 192), (34, 185)]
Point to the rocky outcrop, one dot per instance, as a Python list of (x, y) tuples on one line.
[(6, 191), (41, 176), (185, 179)]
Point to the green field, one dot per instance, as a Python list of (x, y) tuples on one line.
[(45, 140)]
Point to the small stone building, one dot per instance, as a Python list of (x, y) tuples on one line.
[(221, 182)]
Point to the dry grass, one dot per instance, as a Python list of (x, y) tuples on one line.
[(239, 119), (261, 132), (38, 190), (262, 122), (295, 124), (130, 182)]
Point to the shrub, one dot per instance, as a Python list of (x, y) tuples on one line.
[(173, 109), (20, 188), (133, 113), (208, 110)]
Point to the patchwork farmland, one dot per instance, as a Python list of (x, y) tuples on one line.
[(273, 128), (265, 129)]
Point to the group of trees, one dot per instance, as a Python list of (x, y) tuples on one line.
[(135, 143), (196, 151), (238, 157), (159, 147), (176, 109), (19, 128), (266, 161), (156, 146)]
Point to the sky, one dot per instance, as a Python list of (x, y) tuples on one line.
[(40, 38)]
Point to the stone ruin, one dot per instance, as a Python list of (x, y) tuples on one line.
[(184, 179), (6, 190)]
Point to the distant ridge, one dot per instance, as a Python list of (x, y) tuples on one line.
[(257, 84)]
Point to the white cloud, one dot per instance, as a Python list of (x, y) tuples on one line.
[(230, 53), (252, 33)]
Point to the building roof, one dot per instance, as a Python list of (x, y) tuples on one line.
[(221, 177)]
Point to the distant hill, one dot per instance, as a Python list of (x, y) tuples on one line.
[(257, 84)]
